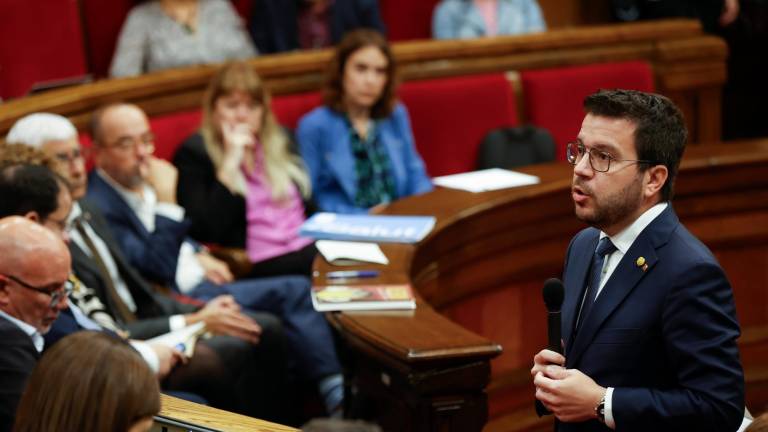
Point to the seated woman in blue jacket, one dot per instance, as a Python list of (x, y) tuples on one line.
[(358, 147)]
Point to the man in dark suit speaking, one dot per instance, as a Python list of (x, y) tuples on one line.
[(649, 325)]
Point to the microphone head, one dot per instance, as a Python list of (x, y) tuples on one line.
[(553, 294)]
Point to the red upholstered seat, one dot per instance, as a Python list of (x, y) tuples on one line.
[(553, 97), (407, 19), (450, 116), (289, 108), (102, 23), (172, 129), (40, 41)]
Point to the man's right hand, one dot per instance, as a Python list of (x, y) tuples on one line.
[(168, 359), (222, 316), (163, 176)]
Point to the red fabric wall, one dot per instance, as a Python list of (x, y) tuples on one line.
[(407, 19), (40, 40)]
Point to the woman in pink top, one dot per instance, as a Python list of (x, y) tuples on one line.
[(238, 181)]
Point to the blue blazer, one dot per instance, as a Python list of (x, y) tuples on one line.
[(664, 337), (155, 255), (324, 142)]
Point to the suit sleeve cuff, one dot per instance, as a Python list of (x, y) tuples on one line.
[(147, 353), (609, 408), (177, 322)]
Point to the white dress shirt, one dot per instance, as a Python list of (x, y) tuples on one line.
[(37, 338), (623, 241)]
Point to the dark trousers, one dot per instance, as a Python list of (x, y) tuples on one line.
[(235, 375), (309, 337)]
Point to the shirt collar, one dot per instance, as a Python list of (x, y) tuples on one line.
[(37, 338), (135, 200), (623, 240)]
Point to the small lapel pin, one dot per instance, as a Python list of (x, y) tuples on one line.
[(641, 263), (645, 267)]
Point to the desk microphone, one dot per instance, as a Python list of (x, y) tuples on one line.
[(553, 294)]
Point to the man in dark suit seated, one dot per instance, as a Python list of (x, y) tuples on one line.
[(231, 370), (649, 324), (34, 270), (136, 193)]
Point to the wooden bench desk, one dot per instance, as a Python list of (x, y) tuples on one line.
[(207, 418)]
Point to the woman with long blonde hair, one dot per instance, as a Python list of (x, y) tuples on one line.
[(239, 182)]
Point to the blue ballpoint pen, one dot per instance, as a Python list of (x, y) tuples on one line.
[(352, 274)]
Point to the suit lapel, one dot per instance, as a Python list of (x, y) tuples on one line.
[(339, 157), (112, 204), (576, 283)]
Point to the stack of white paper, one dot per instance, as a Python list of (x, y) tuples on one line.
[(486, 180)]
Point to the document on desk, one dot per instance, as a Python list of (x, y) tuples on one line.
[(350, 253), (486, 180), (367, 228), (183, 339)]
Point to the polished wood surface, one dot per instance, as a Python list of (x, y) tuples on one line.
[(212, 418), (688, 64), (483, 265)]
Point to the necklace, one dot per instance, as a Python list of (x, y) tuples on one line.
[(183, 12)]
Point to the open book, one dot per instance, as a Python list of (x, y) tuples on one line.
[(363, 297)]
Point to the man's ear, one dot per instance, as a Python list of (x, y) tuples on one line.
[(4, 298), (656, 176), (33, 216)]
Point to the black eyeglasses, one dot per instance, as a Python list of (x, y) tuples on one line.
[(600, 161), (129, 143), (56, 295), (75, 154)]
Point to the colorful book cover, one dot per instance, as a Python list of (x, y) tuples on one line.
[(329, 298), (371, 228)]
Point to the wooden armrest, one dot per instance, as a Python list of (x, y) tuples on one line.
[(237, 260)]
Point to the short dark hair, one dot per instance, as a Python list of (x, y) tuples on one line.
[(333, 93), (25, 188), (660, 133)]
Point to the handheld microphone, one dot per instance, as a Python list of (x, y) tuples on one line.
[(553, 294)]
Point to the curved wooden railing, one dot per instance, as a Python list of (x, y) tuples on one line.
[(689, 66), (483, 266)]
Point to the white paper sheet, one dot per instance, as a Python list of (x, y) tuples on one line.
[(485, 180), (183, 339), (348, 253)]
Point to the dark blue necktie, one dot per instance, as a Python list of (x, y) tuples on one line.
[(604, 247)]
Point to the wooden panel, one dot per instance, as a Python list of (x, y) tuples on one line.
[(212, 418)]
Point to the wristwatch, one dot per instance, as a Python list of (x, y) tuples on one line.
[(600, 410)]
